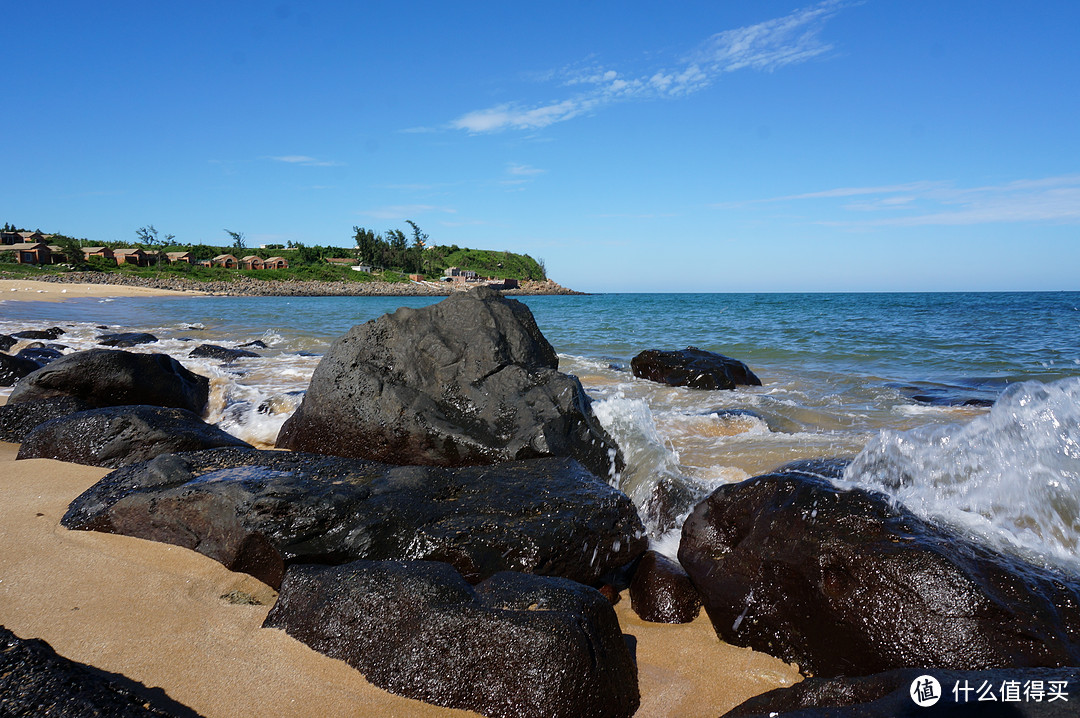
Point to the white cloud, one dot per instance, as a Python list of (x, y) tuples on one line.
[(766, 46), (306, 161), (1048, 199), (524, 170)]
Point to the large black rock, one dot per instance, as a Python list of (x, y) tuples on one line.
[(126, 339), (116, 436), (515, 645), (6, 342), (662, 592), (844, 582), (40, 353), (13, 368), (467, 381), (256, 511), (112, 377), (1006, 693), (36, 681), (17, 420), (692, 367)]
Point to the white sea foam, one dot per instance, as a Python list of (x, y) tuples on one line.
[(1010, 477)]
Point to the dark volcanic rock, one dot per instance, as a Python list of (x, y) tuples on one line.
[(467, 381), (692, 367), (213, 351), (889, 695), (6, 342), (258, 344), (40, 354), (845, 582), (36, 681), (49, 334), (126, 339), (112, 377), (662, 592), (13, 368), (544, 516), (972, 392), (515, 645), (116, 436), (17, 420)]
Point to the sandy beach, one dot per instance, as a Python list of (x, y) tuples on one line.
[(35, 291), (155, 614)]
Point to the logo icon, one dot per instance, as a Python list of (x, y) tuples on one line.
[(925, 691)]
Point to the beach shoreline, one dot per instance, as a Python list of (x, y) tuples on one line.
[(98, 284), (156, 614), (34, 290)]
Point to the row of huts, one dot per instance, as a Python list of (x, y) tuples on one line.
[(41, 252)]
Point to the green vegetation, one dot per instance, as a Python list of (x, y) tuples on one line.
[(391, 255)]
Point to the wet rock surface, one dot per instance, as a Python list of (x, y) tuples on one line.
[(888, 695), (36, 681), (845, 582), (661, 591), (50, 334), (40, 353), (126, 339), (692, 367), (256, 511), (7, 341), (213, 351), (14, 368), (514, 645), (17, 420), (467, 381), (113, 377), (120, 435)]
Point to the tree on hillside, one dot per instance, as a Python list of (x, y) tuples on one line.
[(416, 254), (237, 238), (398, 246), (72, 251)]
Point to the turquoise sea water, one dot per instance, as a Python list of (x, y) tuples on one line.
[(903, 381)]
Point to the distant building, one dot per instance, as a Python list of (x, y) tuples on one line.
[(275, 263), (251, 262), (224, 260), (340, 260), (416, 277), (29, 252), (179, 257), (456, 272), (131, 256), (362, 268), (102, 252), (10, 238)]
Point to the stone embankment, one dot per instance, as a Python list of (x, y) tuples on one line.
[(247, 286)]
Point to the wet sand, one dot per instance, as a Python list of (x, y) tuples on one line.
[(35, 291), (155, 614)]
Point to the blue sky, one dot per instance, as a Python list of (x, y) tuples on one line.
[(693, 146)]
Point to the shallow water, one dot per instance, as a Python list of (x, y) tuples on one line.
[(839, 372)]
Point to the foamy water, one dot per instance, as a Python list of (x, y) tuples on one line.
[(839, 373)]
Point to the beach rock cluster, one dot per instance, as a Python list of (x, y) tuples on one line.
[(512, 645), (692, 367), (845, 582), (31, 357), (36, 681), (467, 381)]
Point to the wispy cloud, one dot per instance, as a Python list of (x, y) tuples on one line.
[(523, 170), (1048, 199), (306, 161), (765, 47), (406, 211)]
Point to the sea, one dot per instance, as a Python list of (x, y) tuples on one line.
[(964, 407)]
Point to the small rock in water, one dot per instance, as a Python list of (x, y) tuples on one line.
[(692, 367), (50, 334), (126, 339), (258, 344), (213, 351)]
